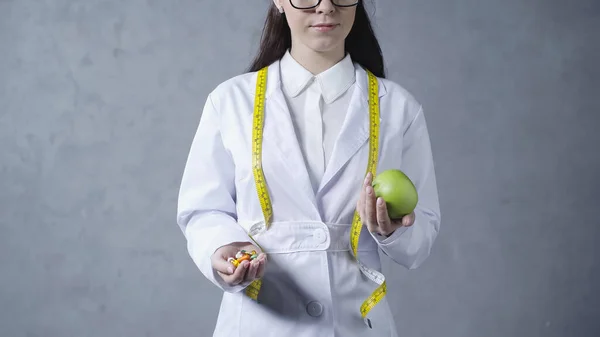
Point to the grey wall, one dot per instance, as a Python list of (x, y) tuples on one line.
[(99, 101)]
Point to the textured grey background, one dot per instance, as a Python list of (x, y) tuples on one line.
[(99, 101)]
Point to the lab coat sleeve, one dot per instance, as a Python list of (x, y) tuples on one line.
[(410, 246), (206, 211)]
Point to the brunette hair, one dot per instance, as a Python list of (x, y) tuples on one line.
[(361, 43)]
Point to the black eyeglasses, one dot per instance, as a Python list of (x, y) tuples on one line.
[(308, 4)]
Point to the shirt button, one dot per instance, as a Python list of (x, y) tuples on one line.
[(320, 235), (314, 309)]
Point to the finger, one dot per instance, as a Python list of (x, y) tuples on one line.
[(237, 276), (262, 261), (408, 220), (252, 269), (383, 220), (371, 211), (240, 273), (360, 205), (260, 272), (223, 266), (368, 179), (229, 279)]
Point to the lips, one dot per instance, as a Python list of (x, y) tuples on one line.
[(325, 25)]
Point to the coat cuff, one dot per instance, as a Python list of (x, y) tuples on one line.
[(388, 240), (410, 246)]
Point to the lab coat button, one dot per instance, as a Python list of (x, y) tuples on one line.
[(314, 308), (320, 235)]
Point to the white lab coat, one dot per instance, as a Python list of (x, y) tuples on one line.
[(312, 286)]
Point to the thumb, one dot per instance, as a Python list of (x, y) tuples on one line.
[(223, 266)]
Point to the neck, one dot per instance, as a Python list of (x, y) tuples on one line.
[(317, 62)]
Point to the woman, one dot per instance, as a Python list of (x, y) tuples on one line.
[(291, 191)]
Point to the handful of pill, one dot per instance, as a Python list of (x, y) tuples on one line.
[(242, 255)]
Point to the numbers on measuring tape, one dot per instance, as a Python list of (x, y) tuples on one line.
[(253, 289), (357, 225), (257, 136), (265, 202), (372, 301)]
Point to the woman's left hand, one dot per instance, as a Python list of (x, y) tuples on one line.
[(373, 212)]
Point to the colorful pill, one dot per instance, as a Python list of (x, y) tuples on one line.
[(244, 257), (233, 261)]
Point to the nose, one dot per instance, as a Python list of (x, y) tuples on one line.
[(326, 6)]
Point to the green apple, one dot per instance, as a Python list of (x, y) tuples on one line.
[(398, 192)]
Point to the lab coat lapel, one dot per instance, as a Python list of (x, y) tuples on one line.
[(354, 133), (279, 124)]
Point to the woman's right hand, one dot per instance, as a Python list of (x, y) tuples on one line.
[(247, 271)]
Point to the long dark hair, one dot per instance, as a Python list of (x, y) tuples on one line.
[(361, 43)]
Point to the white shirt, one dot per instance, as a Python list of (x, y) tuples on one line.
[(318, 106)]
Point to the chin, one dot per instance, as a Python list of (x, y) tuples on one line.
[(324, 46)]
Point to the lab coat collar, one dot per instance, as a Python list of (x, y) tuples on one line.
[(333, 82), (274, 82)]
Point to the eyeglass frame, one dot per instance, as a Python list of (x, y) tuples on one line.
[(319, 2)]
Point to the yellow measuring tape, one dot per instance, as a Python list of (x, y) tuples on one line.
[(357, 225), (265, 202), (261, 187)]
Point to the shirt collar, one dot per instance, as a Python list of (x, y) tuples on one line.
[(333, 82)]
